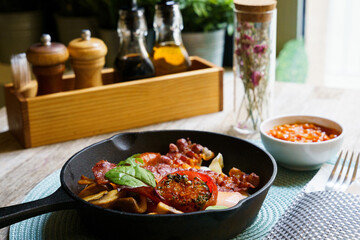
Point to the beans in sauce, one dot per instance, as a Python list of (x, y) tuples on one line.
[(303, 132)]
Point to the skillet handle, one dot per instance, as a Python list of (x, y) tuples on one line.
[(59, 200)]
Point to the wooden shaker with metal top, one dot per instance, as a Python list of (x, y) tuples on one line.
[(87, 56), (48, 64)]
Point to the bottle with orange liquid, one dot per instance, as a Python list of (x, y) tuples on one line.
[(169, 54)]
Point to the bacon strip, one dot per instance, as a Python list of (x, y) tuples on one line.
[(100, 169)]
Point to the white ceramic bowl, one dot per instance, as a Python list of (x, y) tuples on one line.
[(301, 156)]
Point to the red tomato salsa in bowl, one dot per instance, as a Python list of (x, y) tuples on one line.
[(303, 132), (302, 142)]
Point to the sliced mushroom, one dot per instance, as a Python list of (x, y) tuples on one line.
[(163, 208), (136, 204), (109, 199), (86, 181), (91, 190), (95, 196)]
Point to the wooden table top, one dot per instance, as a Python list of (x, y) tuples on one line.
[(22, 169)]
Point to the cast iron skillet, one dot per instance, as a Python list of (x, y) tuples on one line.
[(209, 224)]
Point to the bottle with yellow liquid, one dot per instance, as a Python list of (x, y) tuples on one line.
[(169, 54)]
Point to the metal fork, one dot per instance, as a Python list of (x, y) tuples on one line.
[(341, 183)]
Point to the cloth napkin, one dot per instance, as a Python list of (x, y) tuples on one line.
[(318, 214), (318, 182)]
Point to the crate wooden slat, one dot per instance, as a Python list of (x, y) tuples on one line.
[(115, 106)]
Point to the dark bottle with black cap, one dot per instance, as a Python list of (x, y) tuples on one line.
[(169, 54), (132, 61)]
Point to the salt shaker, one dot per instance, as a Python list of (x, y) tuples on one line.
[(48, 64), (87, 58)]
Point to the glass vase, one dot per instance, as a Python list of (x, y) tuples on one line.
[(254, 63)]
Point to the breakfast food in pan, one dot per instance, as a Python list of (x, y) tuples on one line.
[(172, 183)]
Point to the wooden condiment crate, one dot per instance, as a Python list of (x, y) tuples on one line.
[(113, 107)]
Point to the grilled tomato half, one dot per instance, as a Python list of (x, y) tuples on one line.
[(187, 191)]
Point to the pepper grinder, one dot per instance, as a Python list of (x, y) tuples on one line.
[(87, 56), (48, 64)]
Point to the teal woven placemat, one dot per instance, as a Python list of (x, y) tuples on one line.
[(285, 188), (67, 224), (33, 227)]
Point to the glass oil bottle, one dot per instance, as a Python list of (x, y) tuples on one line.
[(133, 61), (169, 54)]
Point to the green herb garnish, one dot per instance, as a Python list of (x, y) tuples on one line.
[(130, 173), (216, 207)]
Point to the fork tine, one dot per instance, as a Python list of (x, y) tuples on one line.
[(330, 184), (335, 167), (355, 168), (345, 183), (341, 170), (348, 169)]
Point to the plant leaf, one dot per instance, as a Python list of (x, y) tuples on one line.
[(130, 173), (131, 160), (215, 207), (116, 175)]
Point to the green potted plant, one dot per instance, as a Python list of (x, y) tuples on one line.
[(205, 25), (206, 15)]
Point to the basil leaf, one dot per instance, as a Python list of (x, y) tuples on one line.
[(131, 160), (129, 173), (120, 178), (145, 175), (215, 207)]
